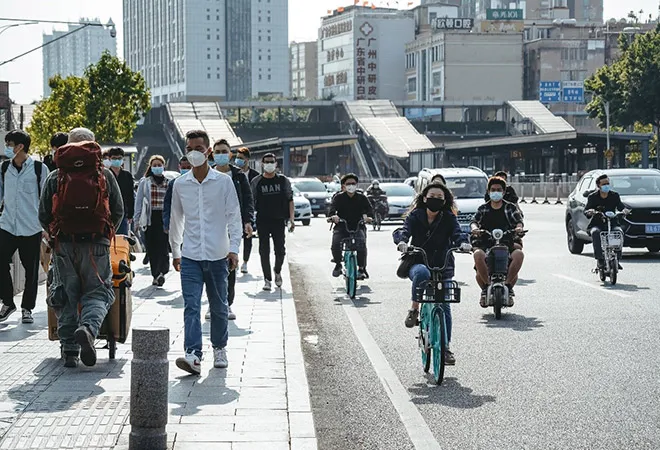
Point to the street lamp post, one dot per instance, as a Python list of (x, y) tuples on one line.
[(607, 124)]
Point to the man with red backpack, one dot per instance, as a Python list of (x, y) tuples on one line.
[(81, 207)]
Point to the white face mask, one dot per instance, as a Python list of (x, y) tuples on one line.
[(270, 167), (107, 163), (351, 189), (196, 158)]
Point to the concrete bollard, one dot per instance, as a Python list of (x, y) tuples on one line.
[(149, 389), (522, 195), (559, 202), (534, 195), (545, 193)]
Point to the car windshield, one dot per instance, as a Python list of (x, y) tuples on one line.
[(296, 191), (636, 184), (398, 190), (310, 186), (467, 187)]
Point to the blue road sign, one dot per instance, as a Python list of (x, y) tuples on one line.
[(550, 91), (573, 92)]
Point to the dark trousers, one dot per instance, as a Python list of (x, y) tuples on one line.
[(276, 229), (28, 250), (595, 236), (231, 287), (338, 235), (247, 248), (157, 243)]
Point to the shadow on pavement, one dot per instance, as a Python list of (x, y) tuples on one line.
[(625, 287), (174, 303), (15, 331), (214, 385), (522, 282), (515, 322), (451, 394)]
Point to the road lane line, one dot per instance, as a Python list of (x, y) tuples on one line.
[(419, 432), (589, 285)]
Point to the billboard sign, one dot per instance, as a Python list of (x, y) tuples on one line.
[(498, 26), (505, 14), (550, 91), (573, 91), (446, 23)]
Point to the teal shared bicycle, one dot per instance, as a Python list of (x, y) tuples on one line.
[(349, 248), (434, 295)]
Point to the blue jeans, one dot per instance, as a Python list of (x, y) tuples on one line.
[(86, 274), (194, 275), (123, 227), (419, 273)]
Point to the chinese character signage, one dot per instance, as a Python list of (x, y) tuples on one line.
[(366, 63), (444, 23), (504, 14), (336, 29), (497, 26), (573, 92), (550, 91), (334, 79), (335, 54)]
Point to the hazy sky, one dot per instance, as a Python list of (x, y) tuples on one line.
[(25, 74)]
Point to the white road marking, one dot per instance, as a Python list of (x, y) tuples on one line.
[(419, 432), (592, 286)]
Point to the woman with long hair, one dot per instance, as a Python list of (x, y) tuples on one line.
[(433, 226), (149, 216)]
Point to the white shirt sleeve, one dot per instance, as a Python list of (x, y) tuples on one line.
[(176, 222), (233, 216)]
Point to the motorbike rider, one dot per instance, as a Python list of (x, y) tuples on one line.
[(602, 200), (496, 214), (378, 198), (374, 189), (351, 206), (510, 194), (432, 226)]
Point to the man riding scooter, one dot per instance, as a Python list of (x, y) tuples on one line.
[(378, 199), (496, 214)]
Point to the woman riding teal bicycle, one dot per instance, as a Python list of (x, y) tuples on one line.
[(431, 225)]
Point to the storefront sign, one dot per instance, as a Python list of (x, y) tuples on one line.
[(453, 24), (366, 63), (504, 14), (335, 54), (336, 29), (497, 26), (334, 79)]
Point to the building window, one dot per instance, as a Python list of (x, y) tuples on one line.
[(269, 38), (412, 84), (269, 76), (208, 76), (583, 54), (208, 37), (260, 76)]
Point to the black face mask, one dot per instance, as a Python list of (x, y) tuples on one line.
[(435, 204)]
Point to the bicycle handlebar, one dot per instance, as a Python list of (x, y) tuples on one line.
[(360, 223), (420, 251)]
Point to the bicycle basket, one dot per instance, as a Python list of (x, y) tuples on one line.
[(350, 244), (439, 292), (613, 239)]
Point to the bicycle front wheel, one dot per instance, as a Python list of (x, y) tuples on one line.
[(351, 274), (439, 344), (614, 271), (424, 336)]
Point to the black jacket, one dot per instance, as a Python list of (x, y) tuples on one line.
[(610, 203), (244, 192), (126, 182), (351, 209), (436, 238)]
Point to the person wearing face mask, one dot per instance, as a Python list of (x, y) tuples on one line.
[(432, 226), (222, 157), (273, 204), (56, 141), (205, 235), (22, 180), (351, 206), (602, 200), (242, 160), (125, 180), (496, 214), (184, 168), (151, 198)]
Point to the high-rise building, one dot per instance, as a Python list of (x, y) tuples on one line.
[(72, 54), (304, 69), (208, 51)]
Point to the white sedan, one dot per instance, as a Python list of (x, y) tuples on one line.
[(400, 197), (302, 207)]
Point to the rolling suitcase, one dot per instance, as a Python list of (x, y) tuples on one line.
[(117, 323)]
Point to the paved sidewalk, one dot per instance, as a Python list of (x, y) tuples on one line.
[(260, 401)]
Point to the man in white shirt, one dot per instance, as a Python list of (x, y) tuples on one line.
[(205, 234)]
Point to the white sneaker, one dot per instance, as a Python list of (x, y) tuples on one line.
[(207, 316), (190, 363), (278, 280), (232, 315), (266, 285), (220, 358), (244, 268)]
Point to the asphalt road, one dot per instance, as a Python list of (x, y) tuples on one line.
[(575, 364)]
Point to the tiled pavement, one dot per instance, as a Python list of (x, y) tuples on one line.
[(260, 401)]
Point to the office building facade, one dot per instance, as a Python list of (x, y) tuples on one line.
[(304, 69), (72, 54), (208, 51)]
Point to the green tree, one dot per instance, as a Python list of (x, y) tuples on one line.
[(608, 85), (118, 98), (62, 111)]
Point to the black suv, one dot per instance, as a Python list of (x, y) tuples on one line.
[(640, 192)]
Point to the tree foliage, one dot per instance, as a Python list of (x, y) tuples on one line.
[(109, 100), (631, 85)]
